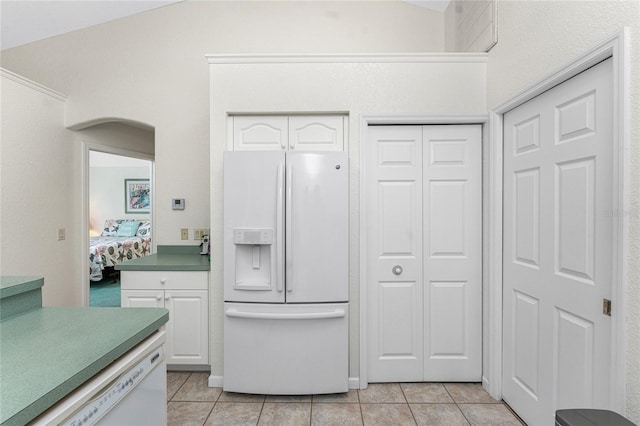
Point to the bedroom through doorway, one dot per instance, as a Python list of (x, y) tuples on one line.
[(120, 203)]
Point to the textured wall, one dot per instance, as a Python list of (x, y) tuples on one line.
[(536, 38), (106, 194), (38, 190), (151, 68), (355, 88)]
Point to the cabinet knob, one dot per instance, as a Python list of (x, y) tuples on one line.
[(166, 298), (158, 297), (163, 281), (397, 270)]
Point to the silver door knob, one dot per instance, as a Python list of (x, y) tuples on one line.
[(397, 270)]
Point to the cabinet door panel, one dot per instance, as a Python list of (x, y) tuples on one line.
[(188, 322), (316, 132), (260, 133)]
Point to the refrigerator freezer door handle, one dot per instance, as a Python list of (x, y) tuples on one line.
[(289, 228), (333, 313), (277, 261)]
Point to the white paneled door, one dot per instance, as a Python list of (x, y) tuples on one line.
[(558, 248), (424, 253)]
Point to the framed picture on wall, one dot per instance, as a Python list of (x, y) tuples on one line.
[(137, 196)]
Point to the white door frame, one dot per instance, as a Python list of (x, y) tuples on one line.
[(362, 381), (85, 148), (615, 47)]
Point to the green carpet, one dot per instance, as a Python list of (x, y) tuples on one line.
[(105, 293)]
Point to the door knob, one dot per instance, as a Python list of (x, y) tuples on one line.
[(397, 270)]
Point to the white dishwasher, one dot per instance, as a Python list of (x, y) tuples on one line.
[(131, 391)]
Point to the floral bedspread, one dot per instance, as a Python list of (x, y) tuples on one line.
[(109, 251)]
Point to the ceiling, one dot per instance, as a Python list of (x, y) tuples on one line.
[(24, 21), (28, 21)]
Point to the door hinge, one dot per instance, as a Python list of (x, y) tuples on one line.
[(606, 307)]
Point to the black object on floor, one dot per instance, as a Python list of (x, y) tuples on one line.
[(590, 417)]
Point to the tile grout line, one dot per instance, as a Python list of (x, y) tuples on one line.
[(261, 410), (360, 406), (212, 408), (407, 402), (180, 387), (457, 404)]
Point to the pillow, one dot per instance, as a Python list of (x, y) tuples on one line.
[(128, 229), (111, 227), (144, 230)]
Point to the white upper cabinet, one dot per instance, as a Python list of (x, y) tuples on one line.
[(316, 132), (259, 133), (295, 132)]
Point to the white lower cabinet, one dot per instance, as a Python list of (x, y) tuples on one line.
[(185, 295)]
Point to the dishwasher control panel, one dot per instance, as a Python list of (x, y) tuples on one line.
[(115, 391)]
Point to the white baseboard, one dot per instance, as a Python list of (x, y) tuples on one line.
[(215, 381), (485, 383), (354, 382)]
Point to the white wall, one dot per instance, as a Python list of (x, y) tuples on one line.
[(442, 84), (150, 68), (115, 136), (38, 190), (536, 38), (107, 190)]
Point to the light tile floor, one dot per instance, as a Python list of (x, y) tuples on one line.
[(192, 402)]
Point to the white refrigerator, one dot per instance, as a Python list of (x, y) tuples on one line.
[(286, 272)]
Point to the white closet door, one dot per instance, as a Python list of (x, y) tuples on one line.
[(557, 248), (394, 229), (452, 206), (424, 253)]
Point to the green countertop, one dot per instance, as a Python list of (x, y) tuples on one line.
[(47, 353), (13, 285), (167, 262), (19, 295)]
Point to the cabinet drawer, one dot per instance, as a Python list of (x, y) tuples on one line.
[(165, 280)]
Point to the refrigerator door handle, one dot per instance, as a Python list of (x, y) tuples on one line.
[(333, 313), (289, 227), (277, 261)]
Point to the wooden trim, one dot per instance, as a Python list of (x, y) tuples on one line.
[(85, 148), (404, 58), (494, 374), (617, 48), (32, 84), (377, 119)]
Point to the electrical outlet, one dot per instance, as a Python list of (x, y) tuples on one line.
[(184, 233), (199, 233), (62, 234)]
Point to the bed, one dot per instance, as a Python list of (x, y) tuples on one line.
[(121, 239)]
